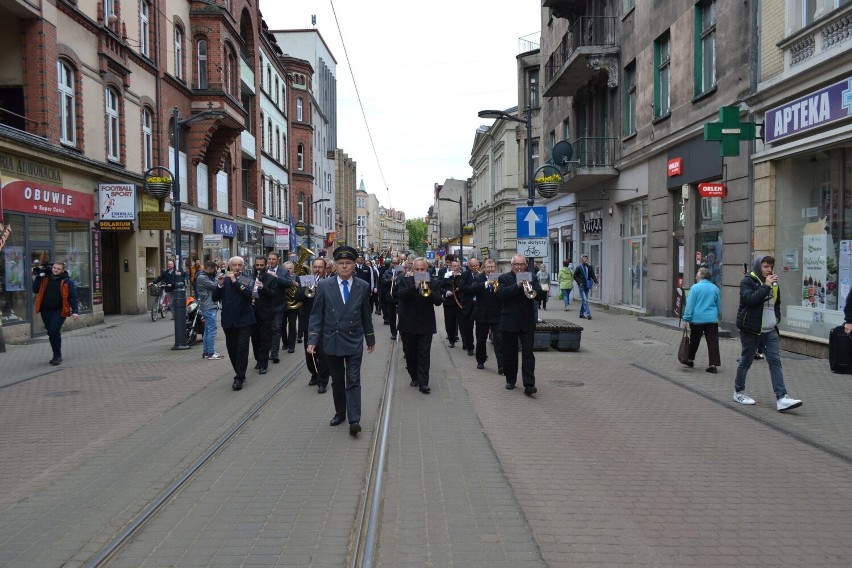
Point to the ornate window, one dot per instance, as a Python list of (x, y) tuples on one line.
[(67, 103), (113, 124), (202, 63)]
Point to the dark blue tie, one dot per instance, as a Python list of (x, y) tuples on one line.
[(345, 291)]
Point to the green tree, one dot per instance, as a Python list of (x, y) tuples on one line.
[(417, 235)]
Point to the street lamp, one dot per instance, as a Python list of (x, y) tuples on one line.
[(179, 303), (311, 224), (501, 115), (461, 223)]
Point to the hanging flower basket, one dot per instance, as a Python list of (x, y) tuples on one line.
[(548, 185), (468, 229), (159, 187)]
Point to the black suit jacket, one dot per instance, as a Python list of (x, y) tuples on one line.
[(285, 280), (488, 306), (269, 298), (518, 313), (466, 295), (236, 304), (416, 313)]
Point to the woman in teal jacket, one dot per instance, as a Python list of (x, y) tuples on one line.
[(703, 309)]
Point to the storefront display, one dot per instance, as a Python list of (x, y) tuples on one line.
[(814, 225)]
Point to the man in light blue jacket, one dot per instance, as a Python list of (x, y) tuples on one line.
[(703, 309)]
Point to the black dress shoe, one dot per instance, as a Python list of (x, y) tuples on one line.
[(354, 428), (425, 390), (529, 391), (414, 384), (298, 340), (393, 337), (238, 384), (510, 386), (276, 360), (56, 361), (257, 366), (588, 317), (500, 370), (470, 352), (321, 389), (313, 381), (338, 419), (480, 365), (452, 344), (262, 371)]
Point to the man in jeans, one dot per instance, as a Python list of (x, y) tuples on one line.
[(205, 283), (584, 277), (757, 320)]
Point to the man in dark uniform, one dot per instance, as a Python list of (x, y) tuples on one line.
[(517, 323), (448, 285), (315, 361), (486, 314), (363, 271), (417, 322), (234, 290), (290, 325), (340, 324), (467, 299), (266, 297), (390, 280), (275, 268)]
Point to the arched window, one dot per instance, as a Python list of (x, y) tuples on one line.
[(262, 130), (301, 206), (300, 103), (271, 146), (202, 64), (284, 152), (277, 92), (144, 27), (113, 132), (300, 157), (230, 70), (179, 53), (147, 140), (67, 103)]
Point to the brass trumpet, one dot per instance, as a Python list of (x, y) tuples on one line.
[(494, 285), (529, 291), (425, 290), (311, 290)]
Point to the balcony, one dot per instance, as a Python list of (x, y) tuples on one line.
[(824, 40), (246, 76), (589, 47), (596, 158)]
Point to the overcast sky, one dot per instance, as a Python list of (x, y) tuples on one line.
[(423, 71)]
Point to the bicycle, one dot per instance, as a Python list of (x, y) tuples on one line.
[(161, 303)]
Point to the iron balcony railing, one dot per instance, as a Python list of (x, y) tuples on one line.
[(586, 31), (594, 152)]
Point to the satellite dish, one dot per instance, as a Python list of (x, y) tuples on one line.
[(562, 154)]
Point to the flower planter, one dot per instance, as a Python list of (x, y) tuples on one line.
[(547, 189), (159, 190)]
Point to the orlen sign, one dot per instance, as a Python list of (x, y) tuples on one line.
[(40, 199), (675, 167), (712, 189)]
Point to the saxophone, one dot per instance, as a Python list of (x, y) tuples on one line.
[(300, 268)]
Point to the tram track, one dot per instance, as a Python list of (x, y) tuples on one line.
[(363, 536)]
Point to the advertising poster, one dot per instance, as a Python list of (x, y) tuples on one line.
[(15, 276), (844, 275), (117, 201), (819, 271)]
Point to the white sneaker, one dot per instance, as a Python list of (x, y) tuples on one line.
[(787, 403), (215, 356), (743, 398)]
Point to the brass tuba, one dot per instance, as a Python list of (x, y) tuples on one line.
[(300, 268)]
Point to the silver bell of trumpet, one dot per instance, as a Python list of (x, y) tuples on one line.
[(311, 290), (529, 291)]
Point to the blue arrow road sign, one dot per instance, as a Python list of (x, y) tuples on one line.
[(531, 222)]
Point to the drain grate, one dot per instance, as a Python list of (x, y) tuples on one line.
[(59, 394), (151, 379), (566, 383)]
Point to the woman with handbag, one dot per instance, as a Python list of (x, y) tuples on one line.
[(544, 280), (703, 308)]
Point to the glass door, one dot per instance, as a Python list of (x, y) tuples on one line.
[(633, 289)]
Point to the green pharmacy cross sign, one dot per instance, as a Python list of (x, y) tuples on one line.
[(729, 131)]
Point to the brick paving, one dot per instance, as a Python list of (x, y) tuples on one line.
[(624, 457)]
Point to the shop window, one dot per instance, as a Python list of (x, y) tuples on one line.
[(708, 238), (15, 272), (74, 249)]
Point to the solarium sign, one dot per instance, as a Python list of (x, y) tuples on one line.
[(829, 104)]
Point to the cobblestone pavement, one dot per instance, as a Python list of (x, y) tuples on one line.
[(624, 457)]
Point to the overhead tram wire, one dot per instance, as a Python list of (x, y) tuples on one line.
[(360, 103)]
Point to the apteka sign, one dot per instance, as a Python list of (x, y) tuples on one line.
[(822, 107)]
